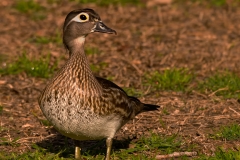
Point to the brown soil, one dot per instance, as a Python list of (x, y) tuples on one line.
[(204, 39)]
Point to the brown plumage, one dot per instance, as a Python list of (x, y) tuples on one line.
[(78, 104)]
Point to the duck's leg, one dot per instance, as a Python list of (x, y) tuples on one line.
[(77, 150), (109, 147)]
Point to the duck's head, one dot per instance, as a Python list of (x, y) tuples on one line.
[(79, 23)]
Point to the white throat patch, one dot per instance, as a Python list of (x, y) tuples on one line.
[(79, 40)]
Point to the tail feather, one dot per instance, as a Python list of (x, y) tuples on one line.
[(150, 107), (142, 107)]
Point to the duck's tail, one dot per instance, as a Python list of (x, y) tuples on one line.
[(150, 107)]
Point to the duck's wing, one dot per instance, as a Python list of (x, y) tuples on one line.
[(109, 84), (128, 106)]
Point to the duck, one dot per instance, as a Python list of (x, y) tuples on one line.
[(78, 104)]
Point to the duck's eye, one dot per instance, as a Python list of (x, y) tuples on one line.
[(83, 17)]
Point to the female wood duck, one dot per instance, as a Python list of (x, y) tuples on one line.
[(78, 104)]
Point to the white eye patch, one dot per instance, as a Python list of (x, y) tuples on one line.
[(82, 17)]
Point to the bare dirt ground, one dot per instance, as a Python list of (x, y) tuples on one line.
[(201, 38)]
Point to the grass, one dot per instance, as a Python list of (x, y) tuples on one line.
[(111, 2), (5, 141), (144, 148), (218, 2), (220, 154), (57, 39), (224, 84), (32, 8), (39, 153), (170, 79), (91, 51), (1, 109), (97, 67), (165, 111), (45, 122), (133, 92), (53, 1), (2, 129), (41, 40), (35, 67), (213, 3), (28, 6), (229, 133), (167, 144)]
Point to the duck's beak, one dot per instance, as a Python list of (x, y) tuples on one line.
[(101, 27)]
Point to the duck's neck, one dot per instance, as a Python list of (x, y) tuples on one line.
[(79, 67)]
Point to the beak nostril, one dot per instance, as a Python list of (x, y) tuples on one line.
[(101, 27)]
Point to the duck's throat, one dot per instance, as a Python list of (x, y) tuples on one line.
[(79, 68)]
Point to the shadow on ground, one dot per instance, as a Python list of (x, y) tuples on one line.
[(64, 146)]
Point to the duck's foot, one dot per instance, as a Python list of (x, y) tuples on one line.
[(77, 150), (109, 147)]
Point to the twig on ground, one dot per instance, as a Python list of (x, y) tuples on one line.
[(200, 94), (176, 154), (234, 111), (26, 140), (221, 89)]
